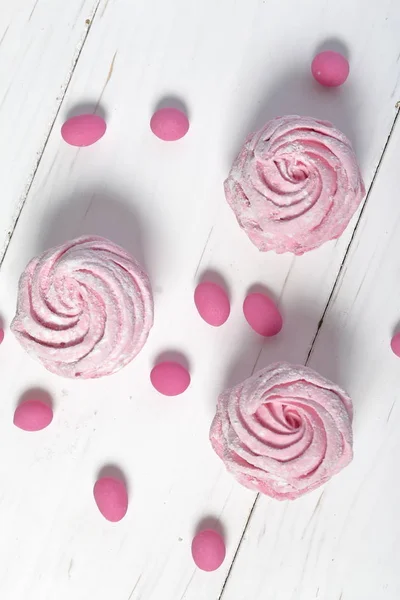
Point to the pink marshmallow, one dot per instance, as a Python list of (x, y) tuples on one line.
[(85, 308), (295, 185), (284, 431)]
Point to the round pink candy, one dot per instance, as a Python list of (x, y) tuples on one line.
[(33, 415), (395, 344), (170, 378), (111, 498), (169, 124), (208, 550), (330, 69), (262, 314), (212, 303), (1, 335), (83, 130)]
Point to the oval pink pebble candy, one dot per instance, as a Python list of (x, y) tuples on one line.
[(395, 344), (111, 498), (262, 314), (212, 303), (208, 550), (169, 124), (330, 69), (170, 378), (1, 335), (33, 415), (83, 130)]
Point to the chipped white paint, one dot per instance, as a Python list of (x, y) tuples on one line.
[(235, 64)]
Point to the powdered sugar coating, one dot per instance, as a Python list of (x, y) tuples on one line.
[(85, 308), (284, 431), (294, 185)]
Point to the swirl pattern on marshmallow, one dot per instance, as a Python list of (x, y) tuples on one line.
[(295, 185), (85, 308), (284, 431)]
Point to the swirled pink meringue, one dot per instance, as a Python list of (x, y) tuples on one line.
[(295, 185), (85, 308), (284, 431)]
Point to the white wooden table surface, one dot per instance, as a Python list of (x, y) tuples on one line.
[(234, 64)]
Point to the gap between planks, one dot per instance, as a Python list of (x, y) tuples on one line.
[(64, 89), (321, 321), (342, 265), (3, 252)]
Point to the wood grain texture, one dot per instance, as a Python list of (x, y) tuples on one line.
[(40, 41), (339, 542), (234, 64)]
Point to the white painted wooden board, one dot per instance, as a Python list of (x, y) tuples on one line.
[(234, 65), (40, 41), (343, 542)]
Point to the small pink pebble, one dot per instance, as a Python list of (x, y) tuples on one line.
[(212, 303), (170, 378), (111, 498), (208, 550), (262, 314), (169, 124), (83, 130), (330, 68), (33, 415), (1, 335), (395, 344)]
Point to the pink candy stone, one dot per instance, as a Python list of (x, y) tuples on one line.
[(212, 303), (83, 130), (111, 498), (330, 69), (1, 335), (208, 550), (262, 314), (395, 344), (169, 124), (33, 415), (170, 378)]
